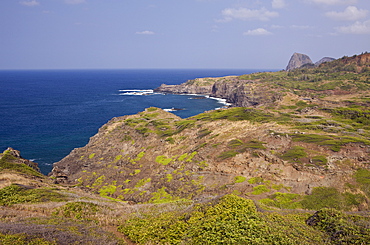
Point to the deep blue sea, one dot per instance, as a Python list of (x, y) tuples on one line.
[(47, 113)]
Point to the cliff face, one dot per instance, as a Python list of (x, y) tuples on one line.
[(297, 60), (236, 91)]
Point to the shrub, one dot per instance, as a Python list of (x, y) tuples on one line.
[(239, 179), (294, 154), (14, 194)]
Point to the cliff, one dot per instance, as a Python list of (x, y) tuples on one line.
[(236, 90)]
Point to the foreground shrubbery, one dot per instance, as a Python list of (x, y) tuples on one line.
[(235, 220), (14, 194)]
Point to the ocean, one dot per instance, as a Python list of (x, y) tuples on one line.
[(47, 113)]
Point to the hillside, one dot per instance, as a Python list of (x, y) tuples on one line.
[(293, 143)]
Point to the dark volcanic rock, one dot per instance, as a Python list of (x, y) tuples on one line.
[(298, 60)]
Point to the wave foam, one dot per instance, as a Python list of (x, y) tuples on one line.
[(136, 91)]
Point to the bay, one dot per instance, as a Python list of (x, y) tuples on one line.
[(47, 113)]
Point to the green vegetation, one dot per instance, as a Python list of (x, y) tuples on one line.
[(239, 179), (163, 160), (294, 154), (334, 142), (236, 114), (227, 154), (7, 163), (330, 197), (362, 177), (341, 228), (229, 220), (15, 194), (260, 189), (283, 200), (85, 211), (23, 239)]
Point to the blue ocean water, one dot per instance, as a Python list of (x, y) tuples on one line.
[(47, 113)]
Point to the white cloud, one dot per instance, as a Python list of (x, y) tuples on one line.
[(300, 27), (350, 13), (247, 14), (74, 1), (356, 28), (145, 33), (257, 32), (332, 2), (30, 3), (278, 4)]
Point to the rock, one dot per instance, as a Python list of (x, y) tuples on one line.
[(323, 60), (298, 60)]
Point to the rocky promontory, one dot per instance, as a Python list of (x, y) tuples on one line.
[(238, 91)]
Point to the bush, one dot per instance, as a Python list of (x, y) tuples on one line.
[(14, 194)]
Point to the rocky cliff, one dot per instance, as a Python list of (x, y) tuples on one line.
[(236, 90), (298, 60)]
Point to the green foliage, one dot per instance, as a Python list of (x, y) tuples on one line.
[(319, 160), (23, 239), (362, 177), (142, 182), (334, 142), (170, 140), (255, 180), (283, 200), (91, 155), (162, 196), (117, 158), (235, 143), (294, 154), (203, 133), (239, 179), (14, 194), (330, 197), (107, 190), (151, 109), (163, 160), (78, 210), (236, 114), (255, 144), (341, 228), (229, 220), (7, 164), (227, 154), (260, 189), (142, 130)]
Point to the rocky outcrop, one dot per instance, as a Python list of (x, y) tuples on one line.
[(15, 156), (298, 60), (235, 91), (323, 60)]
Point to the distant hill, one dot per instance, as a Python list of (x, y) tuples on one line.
[(298, 60), (304, 61)]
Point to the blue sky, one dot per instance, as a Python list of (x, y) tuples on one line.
[(125, 34)]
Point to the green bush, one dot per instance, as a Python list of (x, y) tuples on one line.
[(14, 194), (78, 210), (294, 154)]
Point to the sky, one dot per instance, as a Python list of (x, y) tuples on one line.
[(172, 34)]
